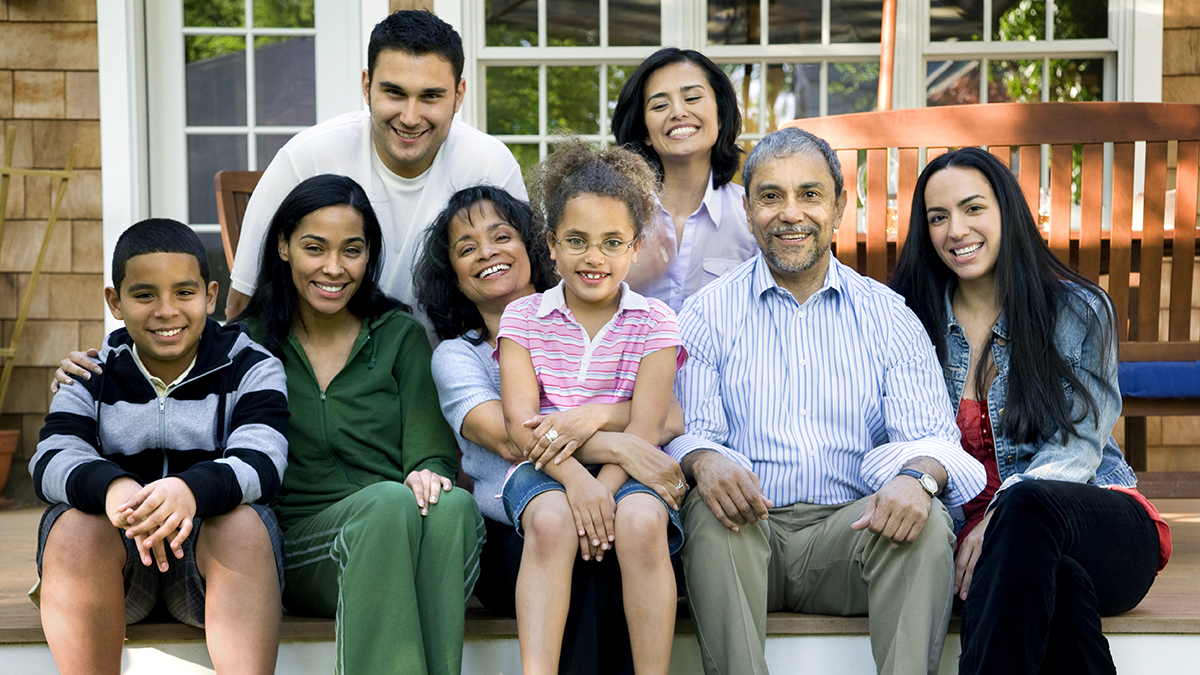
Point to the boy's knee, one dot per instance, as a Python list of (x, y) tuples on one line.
[(84, 539), (240, 528)]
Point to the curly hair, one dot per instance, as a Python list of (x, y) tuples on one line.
[(629, 118), (574, 169), (434, 279)]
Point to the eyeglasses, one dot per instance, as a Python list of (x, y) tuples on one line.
[(613, 248)]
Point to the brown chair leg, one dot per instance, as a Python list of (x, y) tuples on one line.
[(1135, 442)]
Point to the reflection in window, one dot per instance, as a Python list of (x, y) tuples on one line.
[(956, 20), (215, 77), (574, 23), (526, 154), (951, 83), (1077, 79), (733, 22), (511, 23), (285, 81), (209, 14), (634, 22), (512, 100), (268, 145), (283, 13), (853, 87), (794, 22), (218, 269), (1019, 19), (1078, 19), (617, 75), (1017, 81), (207, 155), (793, 92), (747, 81), (855, 21), (573, 98)]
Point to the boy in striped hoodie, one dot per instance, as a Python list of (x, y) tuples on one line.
[(158, 472)]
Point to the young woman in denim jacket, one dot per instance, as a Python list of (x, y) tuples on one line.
[(1060, 537)]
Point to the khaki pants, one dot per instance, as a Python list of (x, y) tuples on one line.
[(805, 558)]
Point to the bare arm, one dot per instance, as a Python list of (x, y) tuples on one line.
[(235, 304)]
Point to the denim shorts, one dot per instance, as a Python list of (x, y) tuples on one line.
[(526, 482), (181, 588)]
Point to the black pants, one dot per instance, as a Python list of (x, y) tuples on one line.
[(596, 639), (1056, 557)]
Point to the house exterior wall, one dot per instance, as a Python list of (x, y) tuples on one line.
[(49, 93)]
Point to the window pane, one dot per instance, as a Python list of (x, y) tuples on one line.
[(573, 98), (268, 145), (617, 75), (283, 13), (573, 24), (1078, 19), (794, 22), (285, 81), (1019, 19), (511, 23), (526, 154), (853, 87), (634, 22), (732, 22), (1077, 80), (855, 20), (1015, 81), (952, 83), (746, 79), (216, 80), (793, 91), (957, 19), (206, 13), (206, 156), (512, 100), (218, 269)]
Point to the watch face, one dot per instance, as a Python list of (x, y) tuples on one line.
[(929, 484)]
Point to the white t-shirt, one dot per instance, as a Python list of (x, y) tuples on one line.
[(405, 207)]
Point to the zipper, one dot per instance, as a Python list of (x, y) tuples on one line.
[(162, 432)]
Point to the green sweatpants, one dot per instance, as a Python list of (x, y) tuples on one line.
[(390, 576)]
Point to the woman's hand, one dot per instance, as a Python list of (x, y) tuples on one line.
[(426, 486), (651, 467), (571, 428), (78, 364), (594, 509), (968, 555)]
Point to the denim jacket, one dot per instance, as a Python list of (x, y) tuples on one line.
[(1094, 458)]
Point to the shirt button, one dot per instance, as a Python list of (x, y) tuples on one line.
[(803, 412), (804, 362), (1001, 341), (1011, 459), (800, 314)]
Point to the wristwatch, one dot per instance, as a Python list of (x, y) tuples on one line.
[(928, 483)]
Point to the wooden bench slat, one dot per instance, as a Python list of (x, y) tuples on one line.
[(877, 214), (1183, 245), (907, 182), (1150, 269), (1120, 256), (1091, 211), (847, 234), (1060, 200), (1029, 176)]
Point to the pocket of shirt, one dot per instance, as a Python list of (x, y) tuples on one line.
[(715, 267)]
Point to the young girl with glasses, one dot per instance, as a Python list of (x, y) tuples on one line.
[(589, 340)]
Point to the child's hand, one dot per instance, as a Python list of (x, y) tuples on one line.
[(119, 493), (594, 509), (426, 486), (571, 429), (154, 513)]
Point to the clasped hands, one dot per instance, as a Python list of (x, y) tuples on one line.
[(152, 514)]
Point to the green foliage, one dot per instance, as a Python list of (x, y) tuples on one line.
[(231, 14)]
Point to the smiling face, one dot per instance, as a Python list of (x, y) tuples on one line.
[(488, 256), (412, 99), (592, 277), (681, 112), (164, 303), (793, 212), (328, 256), (964, 222)]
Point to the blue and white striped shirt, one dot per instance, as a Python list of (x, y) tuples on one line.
[(824, 401)]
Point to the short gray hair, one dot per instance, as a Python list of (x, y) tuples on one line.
[(790, 141)]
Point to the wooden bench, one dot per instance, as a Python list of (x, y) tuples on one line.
[(1117, 229)]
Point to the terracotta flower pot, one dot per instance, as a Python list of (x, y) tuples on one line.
[(8, 446)]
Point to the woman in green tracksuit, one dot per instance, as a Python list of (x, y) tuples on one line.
[(374, 529)]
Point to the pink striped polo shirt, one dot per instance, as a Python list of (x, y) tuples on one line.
[(572, 369)]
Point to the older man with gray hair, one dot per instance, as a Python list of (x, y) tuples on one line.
[(820, 439)]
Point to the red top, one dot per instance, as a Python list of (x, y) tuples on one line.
[(977, 440)]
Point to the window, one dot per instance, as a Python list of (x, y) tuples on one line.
[(229, 82)]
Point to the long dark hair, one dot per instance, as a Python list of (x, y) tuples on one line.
[(434, 278), (629, 118), (275, 301), (1033, 289)]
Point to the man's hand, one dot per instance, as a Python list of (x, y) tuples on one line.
[(733, 493), (426, 486), (77, 364), (898, 511), (158, 511), (968, 555)]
